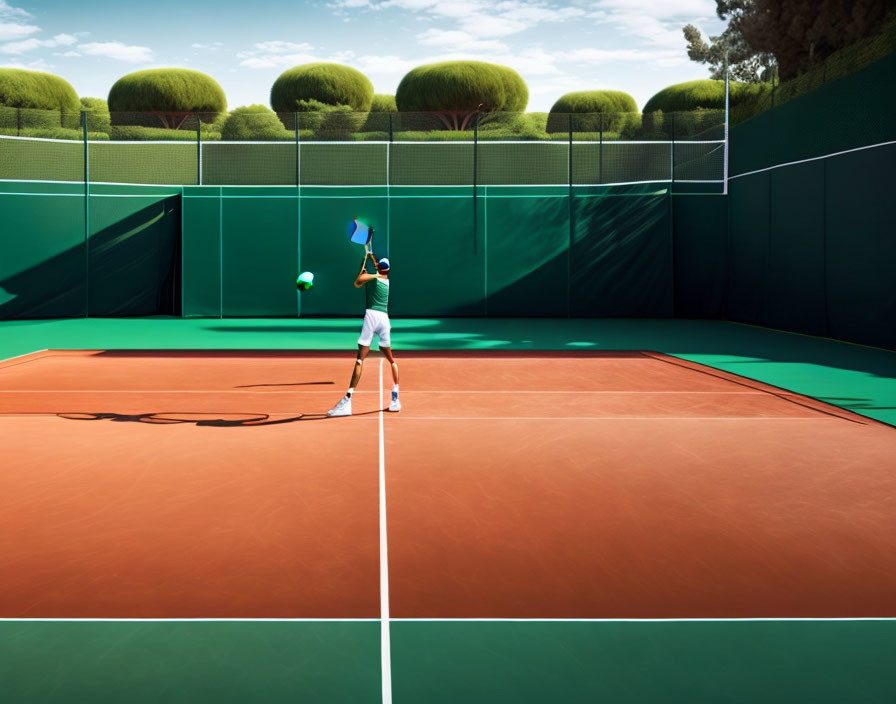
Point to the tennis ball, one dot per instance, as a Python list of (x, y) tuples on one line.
[(305, 281)]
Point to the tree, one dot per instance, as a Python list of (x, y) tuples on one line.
[(171, 95), (802, 33), (793, 35), (729, 49), (455, 91)]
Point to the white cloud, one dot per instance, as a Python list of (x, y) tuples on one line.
[(32, 44), (7, 10), (281, 47), (658, 24), (35, 65), (458, 40), (68, 54), (11, 31), (118, 51), (15, 29), (483, 19)]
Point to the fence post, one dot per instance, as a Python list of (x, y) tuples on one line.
[(198, 150), (18, 122), (86, 215), (571, 224), (475, 181), (600, 151), (295, 125), (672, 147)]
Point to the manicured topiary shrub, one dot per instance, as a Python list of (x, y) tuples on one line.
[(36, 100), (383, 103), (707, 93), (457, 90), (253, 122), (20, 88), (593, 111), (333, 90), (166, 97)]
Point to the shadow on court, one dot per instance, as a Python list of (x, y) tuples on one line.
[(216, 420)]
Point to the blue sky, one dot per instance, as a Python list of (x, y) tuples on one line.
[(631, 45)]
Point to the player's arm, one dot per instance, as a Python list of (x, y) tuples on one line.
[(363, 277)]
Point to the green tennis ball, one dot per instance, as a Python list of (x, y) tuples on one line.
[(305, 281)]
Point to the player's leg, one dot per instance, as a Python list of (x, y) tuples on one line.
[(385, 334), (344, 407), (394, 404)]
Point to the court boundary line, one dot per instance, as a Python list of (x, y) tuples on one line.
[(399, 619), (776, 391), (385, 643)]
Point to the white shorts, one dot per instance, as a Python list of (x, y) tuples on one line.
[(375, 323)]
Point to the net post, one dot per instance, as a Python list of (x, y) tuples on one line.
[(600, 150), (198, 150), (86, 215)]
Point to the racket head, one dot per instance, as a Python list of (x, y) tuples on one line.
[(359, 233)]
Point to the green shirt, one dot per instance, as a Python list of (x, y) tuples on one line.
[(377, 291)]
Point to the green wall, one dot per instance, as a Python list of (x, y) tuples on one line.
[(504, 253), (49, 268), (811, 246)]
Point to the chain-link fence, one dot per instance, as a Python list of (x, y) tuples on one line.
[(341, 148)]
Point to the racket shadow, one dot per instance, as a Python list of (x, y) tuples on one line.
[(213, 420)]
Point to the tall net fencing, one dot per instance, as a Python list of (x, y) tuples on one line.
[(341, 148)]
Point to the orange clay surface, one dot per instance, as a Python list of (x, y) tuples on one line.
[(537, 485)]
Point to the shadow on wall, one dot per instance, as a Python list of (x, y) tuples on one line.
[(134, 267)]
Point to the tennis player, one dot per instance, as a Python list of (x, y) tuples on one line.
[(376, 322)]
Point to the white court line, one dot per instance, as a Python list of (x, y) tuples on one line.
[(329, 391), (452, 620), (385, 645), (568, 418), (19, 356)]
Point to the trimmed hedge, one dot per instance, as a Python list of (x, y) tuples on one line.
[(98, 117), (708, 94), (383, 103), (593, 110), (254, 122), (176, 90), (462, 86), (136, 133), (308, 87)]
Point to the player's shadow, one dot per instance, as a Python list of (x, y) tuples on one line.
[(249, 420), (300, 383)]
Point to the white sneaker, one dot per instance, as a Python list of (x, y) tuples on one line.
[(395, 406), (343, 408)]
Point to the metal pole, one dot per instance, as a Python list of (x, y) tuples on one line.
[(727, 121), (388, 186), (571, 225), (295, 126), (198, 150), (86, 215), (600, 153), (475, 179), (672, 147)]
